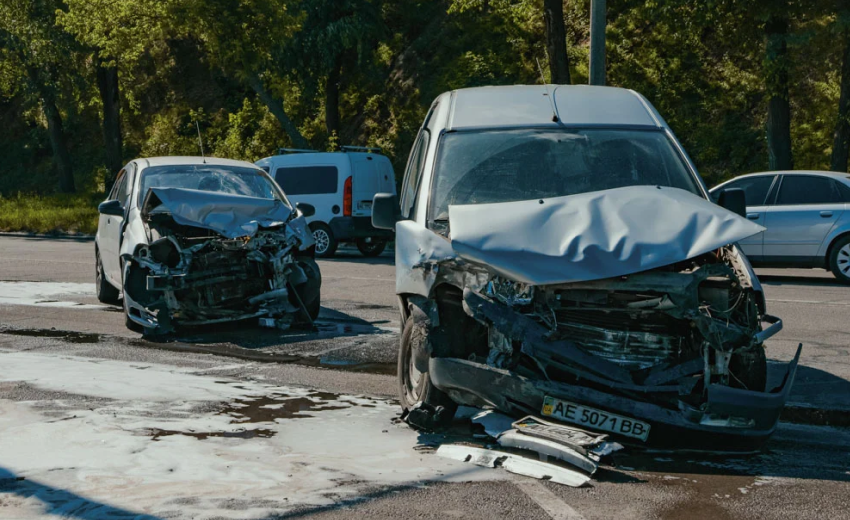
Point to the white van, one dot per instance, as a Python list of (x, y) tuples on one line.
[(340, 185)]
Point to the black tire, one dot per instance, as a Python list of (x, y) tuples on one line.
[(106, 292), (839, 259), (371, 249), (326, 243), (310, 292), (418, 394)]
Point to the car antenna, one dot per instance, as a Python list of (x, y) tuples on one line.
[(555, 117), (200, 141)]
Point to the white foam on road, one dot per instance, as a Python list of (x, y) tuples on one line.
[(102, 457), (48, 294)]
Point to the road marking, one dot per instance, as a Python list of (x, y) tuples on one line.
[(556, 508)]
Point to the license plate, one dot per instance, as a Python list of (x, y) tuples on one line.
[(596, 419)]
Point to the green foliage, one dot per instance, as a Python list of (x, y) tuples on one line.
[(49, 214), (207, 62)]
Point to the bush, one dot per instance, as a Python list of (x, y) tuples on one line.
[(49, 214)]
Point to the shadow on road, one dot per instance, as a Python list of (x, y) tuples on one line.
[(62, 502), (50, 238), (357, 258), (247, 334)]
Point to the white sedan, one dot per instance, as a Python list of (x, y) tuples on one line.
[(192, 241)]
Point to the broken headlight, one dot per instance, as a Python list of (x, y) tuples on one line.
[(509, 292)]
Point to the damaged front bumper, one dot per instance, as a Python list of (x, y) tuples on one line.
[(216, 280), (728, 419)]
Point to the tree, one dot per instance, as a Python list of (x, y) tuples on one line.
[(776, 65), (113, 33), (253, 53), (841, 135), (336, 37), (41, 52), (556, 41)]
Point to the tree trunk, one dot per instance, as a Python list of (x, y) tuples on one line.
[(61, 156), (107, 83), (276, 108), (841, 138), (556, 41), (779, 106), (332, 97)]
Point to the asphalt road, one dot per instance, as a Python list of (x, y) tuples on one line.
[(47, 309)]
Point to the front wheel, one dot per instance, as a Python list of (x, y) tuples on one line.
[(425, 406), (106, 292), (371, 249), (839, 260), (326, 244)]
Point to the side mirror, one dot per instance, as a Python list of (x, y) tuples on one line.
[(733, 199), (385, 211), (307, 210), (111, 207)]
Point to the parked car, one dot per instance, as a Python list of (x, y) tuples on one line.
[(805, 218), (193, 241), (557, 254), (340, 185)]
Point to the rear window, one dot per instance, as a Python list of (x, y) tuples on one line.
[(307, 180)]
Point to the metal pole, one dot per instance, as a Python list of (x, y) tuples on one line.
[(597, 42)]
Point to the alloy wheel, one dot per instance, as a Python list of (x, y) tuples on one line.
[(843, 260), (323, 241)]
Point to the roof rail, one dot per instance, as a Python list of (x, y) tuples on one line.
[(367, 149), (284, 151)]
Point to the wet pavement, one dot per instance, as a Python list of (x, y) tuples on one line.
[(242, 422)]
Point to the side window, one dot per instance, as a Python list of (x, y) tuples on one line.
[(119, 189), (307, 180), (755, 188), (844, 190), (414, 172), (807, 189)]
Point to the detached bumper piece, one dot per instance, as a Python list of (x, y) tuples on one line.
[(728, 419), (535, 448)]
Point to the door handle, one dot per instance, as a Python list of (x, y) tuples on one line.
[(753, 216), (825, 214), (109, 221)]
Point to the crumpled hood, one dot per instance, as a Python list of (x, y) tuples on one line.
[(593, 235), (229, 215)]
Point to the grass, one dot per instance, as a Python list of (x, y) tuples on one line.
[(51, 214)]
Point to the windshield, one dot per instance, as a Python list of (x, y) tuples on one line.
[(233, 180), (512, 165)]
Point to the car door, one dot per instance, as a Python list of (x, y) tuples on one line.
[(756, 190), (364, 170), (805, 210), (110, 228)]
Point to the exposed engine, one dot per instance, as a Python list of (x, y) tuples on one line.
[(700, 309), (195, 276)]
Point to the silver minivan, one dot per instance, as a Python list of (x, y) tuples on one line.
[(805, 218), (557, 255)]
